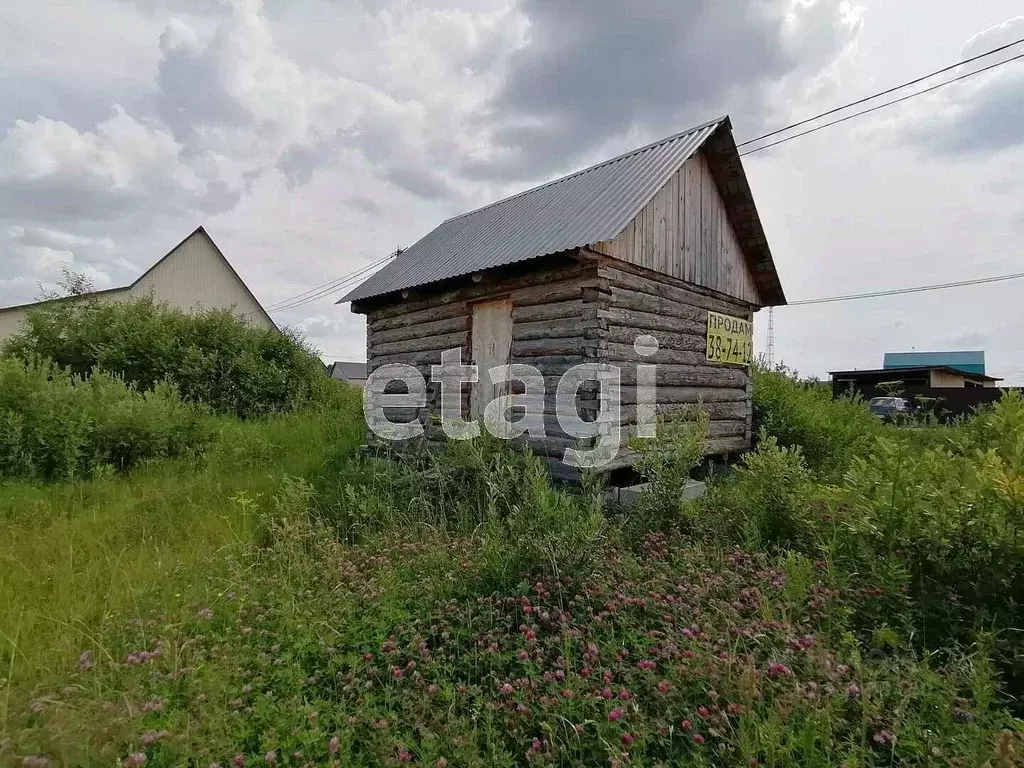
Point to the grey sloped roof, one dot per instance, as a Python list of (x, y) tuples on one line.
[(344, 370), (586, 207)]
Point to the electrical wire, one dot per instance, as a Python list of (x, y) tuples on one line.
[(328, 286), (882, 106), (866, 99), (900, 291), (318, 292)]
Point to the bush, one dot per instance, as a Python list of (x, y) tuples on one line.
[(767, 503), (546, 531), (927, 530), (803, 414), (209, 357), (665, 462), (56, 425)]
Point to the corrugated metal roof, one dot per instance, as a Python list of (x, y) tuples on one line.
[(586, 207)]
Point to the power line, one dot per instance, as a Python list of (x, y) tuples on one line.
[(320, 290), (916, 289), (886, 92), (882, 106), (325, 289)]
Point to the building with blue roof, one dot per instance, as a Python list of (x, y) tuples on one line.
[(968, 362)]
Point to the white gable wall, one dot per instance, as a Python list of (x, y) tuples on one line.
[(194, 276)]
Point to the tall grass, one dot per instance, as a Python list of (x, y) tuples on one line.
[(79, 560)]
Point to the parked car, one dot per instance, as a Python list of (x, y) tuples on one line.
[(888, 408)]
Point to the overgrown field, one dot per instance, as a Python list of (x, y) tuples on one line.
[(850, 595)]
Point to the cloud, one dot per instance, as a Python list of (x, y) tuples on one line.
[(586, 75), (984, 114), (50, 170)]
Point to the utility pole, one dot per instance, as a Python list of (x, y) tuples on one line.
[(770, 351)]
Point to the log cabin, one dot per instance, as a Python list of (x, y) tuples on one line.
[(664, 241)]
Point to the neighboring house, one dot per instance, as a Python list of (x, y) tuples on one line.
[(933, 377), (192, 275), (663, 240), (968, 362), (352, 373), (951, 391)]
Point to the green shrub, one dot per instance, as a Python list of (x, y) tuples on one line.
[(767, 503), (665, 462), (803, 414), (546, 531), (56, 425), (210, 357), (928, 530)]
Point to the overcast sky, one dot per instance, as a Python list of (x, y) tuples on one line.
[(313, 137)]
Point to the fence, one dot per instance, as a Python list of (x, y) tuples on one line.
[(948, 402)]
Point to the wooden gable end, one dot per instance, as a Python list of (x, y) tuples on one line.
[(684, 231)]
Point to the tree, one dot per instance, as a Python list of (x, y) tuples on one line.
[(71, 283)]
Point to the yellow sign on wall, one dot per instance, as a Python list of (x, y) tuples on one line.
[(730, 339)]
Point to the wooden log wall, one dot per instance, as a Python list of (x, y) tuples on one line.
[(549, 332), (589, 308), (635, 300)]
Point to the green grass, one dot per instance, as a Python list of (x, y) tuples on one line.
[(280, 601), (77, 558)]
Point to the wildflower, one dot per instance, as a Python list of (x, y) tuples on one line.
[(404, 756), (615, 714), (884, 738), (627, 739), (239, 761), (853, 690), (606, 693), (441, 763), (85, 662), (246, 689), (397, 673), (776, 670), (507, 689), (568, 693), (432, 689), (686, 725), (664, 686), (271, 757), (153, 705), (151, 737), (134, 760), (703, 711), (535, 746), (624, 694), (698, 739), (524, 656), (206, 614), (333, 745)]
